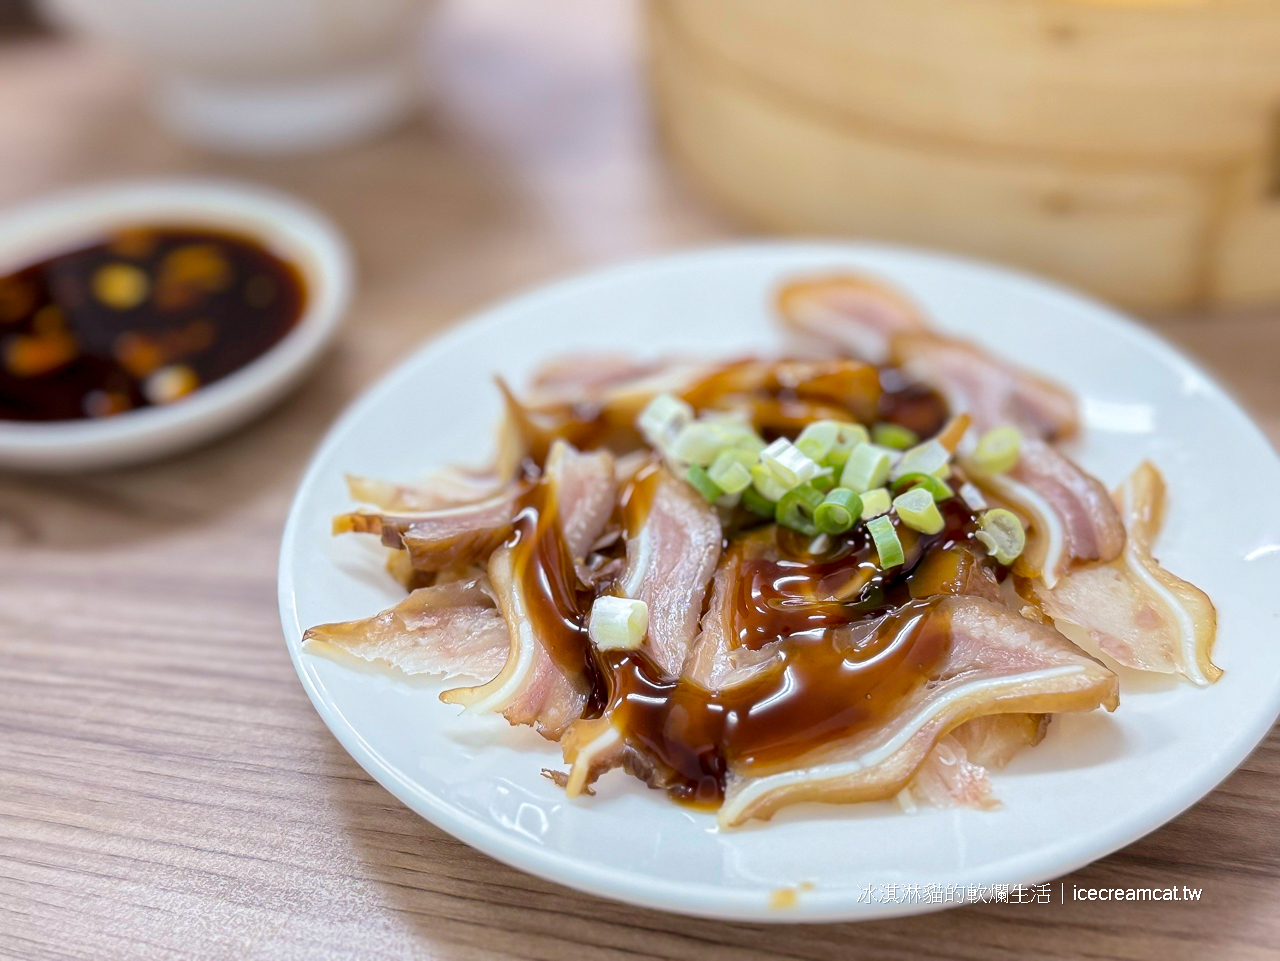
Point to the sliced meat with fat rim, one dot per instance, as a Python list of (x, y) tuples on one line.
[(434, 539), (452, 629), (672, 547), (997, 662), (534, 686), (991, 390), (855, 314), (1070, 516), (1132, 608)]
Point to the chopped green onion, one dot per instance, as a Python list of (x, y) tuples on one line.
[(787, 464), (731, 470), (916, 509), (838, 510), (867, 467), (997, 450), (737, 432), (757, 503), (931, 457), (699, 443), (940, 489), (704, 485), (848, 436), (1002, 535), (875, 502), (972, 497), (617, 623), (797, 507), (663, 418), (817, 439), (888, 547), (824, 481), (764, 482), (829, 441), (894, 436)]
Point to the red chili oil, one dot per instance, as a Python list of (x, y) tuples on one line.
[(142, 318)]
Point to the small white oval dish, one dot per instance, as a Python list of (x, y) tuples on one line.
[(1096, 783), (293, 231)]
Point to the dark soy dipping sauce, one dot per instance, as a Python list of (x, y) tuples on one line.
[(143, 317)]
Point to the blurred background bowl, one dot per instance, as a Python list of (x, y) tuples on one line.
[(265, 76)]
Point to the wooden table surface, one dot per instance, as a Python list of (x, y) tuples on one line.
[(166, 789)]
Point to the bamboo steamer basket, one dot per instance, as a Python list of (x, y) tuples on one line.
[(1134, 158)]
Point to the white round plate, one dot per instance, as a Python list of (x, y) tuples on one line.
[(295, 232), (1096, 783)]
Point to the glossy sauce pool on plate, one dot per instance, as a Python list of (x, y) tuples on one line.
[(143, 317)]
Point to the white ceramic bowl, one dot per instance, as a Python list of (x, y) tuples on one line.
[(265, 76), (295, 232)]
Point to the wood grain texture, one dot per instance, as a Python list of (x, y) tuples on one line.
[(166, 790)]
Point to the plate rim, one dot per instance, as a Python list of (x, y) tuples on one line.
[(698, 899)]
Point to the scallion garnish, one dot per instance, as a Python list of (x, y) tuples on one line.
[(867, 467), (1002, 535), (787, 464), (817, 439), (796, 509), (731, 470), (997, 450), (617, 623), (888, 546), (703, 484), (764, 482), (757, 503), (662, 420), (875, 502), (848, 436), (917, 509), (838, 511), (940, 489), (931, 457), (699, 443), (829, 441), (894, 436)]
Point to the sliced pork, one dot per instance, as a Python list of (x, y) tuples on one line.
[(955, 774), (996, 662), (449, 487), (544, 681), (435, 539), (672, 547), (854, 314), (454, 630), (991, 390), (716, 660), (1070, 516), (1133, 609)]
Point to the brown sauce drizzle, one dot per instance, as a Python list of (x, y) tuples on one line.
[(846, 642), (781, 397), (557, 600), (816, 691), (141, 318), (848, 646), (915, 406)]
